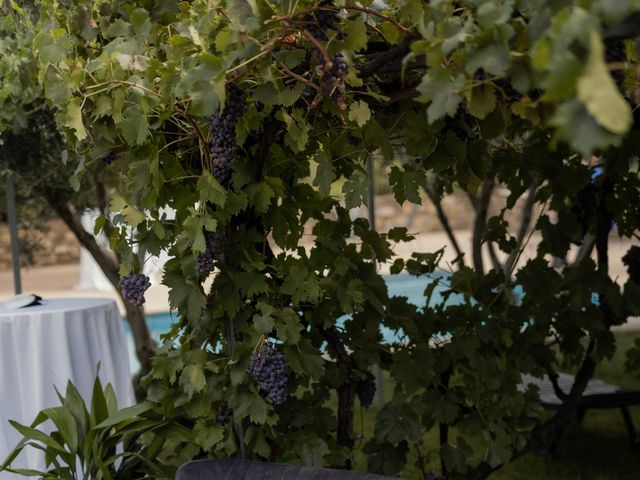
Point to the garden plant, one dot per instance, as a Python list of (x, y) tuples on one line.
[(236, 132)]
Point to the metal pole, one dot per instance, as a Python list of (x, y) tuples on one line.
[(372, 224), (13, 230)]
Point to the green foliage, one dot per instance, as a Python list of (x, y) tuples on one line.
[(470, 93), (101, 441)]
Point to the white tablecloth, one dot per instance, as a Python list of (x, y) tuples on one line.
[(43, 347)]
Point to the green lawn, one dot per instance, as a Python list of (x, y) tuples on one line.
[(598, 448)]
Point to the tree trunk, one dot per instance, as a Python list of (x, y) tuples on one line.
[(145, 346), (346, 391), (346, 400)]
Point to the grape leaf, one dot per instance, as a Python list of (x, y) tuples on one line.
[(599, 93), (73, 118)]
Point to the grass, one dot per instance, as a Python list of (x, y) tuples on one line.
[(599, 447), (596, 449)]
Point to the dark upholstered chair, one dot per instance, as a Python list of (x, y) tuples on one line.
[(250, 470)]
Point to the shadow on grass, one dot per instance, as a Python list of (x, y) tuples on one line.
[(597, 449)]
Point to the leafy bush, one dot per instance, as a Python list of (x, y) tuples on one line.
[(101, 442)]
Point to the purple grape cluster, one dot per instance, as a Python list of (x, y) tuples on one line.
[(212, 253), (318, 22), (433, 475), (366, 390), (224, 414), (332, 79), (108, 157), (632, 261), (133, 287), (223, 146), (268, 367)]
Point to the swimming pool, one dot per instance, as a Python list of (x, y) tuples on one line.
[(398, 285)]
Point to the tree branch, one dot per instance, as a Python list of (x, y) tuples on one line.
[(481, 205), (69, 215), (493, 255), (383, 59), (444, 221), (527, 212), (443, 428), (588, 243)]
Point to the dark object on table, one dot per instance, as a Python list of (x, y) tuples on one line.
[(23, 300), (597, 395), (250, 470)]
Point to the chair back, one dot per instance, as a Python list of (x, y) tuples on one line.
[(229, 469)]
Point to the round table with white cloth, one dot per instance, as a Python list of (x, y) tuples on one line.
[(43, 347)]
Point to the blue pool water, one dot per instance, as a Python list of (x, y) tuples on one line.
[(398, 285)]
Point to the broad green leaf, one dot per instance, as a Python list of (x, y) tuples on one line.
[(493, 59), (125, 414), (356, 32), (250, 283), (210, 189), (134, 126), (263, 320), (390, 32), (288, 326), (407, 184), (98, 410), (208, 435), (194, 227), (66, 425), (193, 379), (132, 215), (580, 129), (37, 435), (260, 195), (439, 87), (359, 112), (184, 296), (599, 93), (325, 173), (481, 101), (355, 190), (73, 118)]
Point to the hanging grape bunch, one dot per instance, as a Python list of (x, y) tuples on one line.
[(332, 74), (268, 367), (212, 253), (224, 414), (318, 22), (366, 390), (632, 261), (133, 287), (223, 146)]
